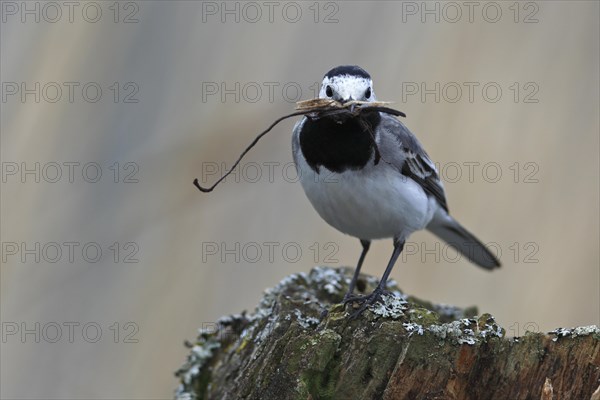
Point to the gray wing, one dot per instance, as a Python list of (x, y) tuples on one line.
[(401, 148)]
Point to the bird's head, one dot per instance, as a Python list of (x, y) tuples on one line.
[(346, 83)]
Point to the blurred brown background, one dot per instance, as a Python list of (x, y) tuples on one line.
[(519, 154)]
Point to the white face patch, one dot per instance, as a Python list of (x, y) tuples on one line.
[(346, 87)]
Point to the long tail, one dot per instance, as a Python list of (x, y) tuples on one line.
[(448, 229)]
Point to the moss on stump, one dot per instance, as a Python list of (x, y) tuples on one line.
[(300, 344)]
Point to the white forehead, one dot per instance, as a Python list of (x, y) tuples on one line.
[(347, 86), (348, 82)]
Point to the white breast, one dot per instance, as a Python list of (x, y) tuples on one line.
[(373, 203)]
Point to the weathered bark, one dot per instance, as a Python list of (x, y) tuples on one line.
[(300, 344)]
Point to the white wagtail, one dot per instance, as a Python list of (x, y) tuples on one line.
[(374, 183)]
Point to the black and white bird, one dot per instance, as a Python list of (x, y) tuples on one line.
[(371, 197)]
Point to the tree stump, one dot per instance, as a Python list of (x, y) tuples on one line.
[(300, 344)]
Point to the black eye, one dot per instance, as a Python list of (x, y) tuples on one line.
[(329, 91), (368, 93)]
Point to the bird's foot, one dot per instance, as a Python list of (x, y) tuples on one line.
[(364, 300), (351, 297)]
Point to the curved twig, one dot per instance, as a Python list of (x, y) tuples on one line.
[(324, 110)]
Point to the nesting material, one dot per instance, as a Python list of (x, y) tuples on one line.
[(329, 107), (317, 108), (325, 104)]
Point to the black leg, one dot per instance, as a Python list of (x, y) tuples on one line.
[(380, 289), (398, 247), (365, 245)]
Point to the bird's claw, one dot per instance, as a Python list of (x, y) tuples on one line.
[(364, 300), (350, 297)]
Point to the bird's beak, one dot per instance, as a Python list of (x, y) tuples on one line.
[(352, 106)]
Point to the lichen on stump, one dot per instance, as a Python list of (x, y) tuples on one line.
[(300, 344)]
